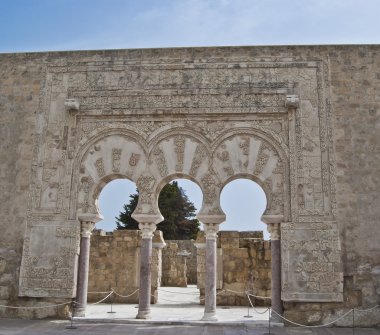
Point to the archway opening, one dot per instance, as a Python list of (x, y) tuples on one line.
[(112, 199), (245, 252), (179, 202), (244, 202), (114, 253)]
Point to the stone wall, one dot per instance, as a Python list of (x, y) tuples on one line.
[(115, 265), (244, 262), (174, 266), (179, 263), (333, 166)]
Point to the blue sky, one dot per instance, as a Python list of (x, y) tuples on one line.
[(40, 25), (48, 25)]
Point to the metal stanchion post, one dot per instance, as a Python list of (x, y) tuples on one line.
[(111, 311), (270, 314), (249, 302)]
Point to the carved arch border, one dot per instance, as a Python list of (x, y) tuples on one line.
[(78, 161), (280, 148)]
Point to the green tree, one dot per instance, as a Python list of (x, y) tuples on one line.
[(178, 212)]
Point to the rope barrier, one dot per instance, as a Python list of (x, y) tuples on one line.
[(249, 295), (258, 296), (126, 296), (192, 293), (366, 310), (250, 302), (36, 307), (98, 302), (306, 326)]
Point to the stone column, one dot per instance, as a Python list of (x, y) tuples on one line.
[(211, 231), (145, 270), (273, 226), (83, 268)]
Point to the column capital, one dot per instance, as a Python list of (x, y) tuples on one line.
[(86, 228), (274, 231), (147, 229), (211, 230), (273, 225)]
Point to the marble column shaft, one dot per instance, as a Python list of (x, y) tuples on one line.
[(210, 275), (276, 276), (274, 230), (83, 268), (145, 270)]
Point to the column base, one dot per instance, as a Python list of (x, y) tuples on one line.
[(209, 316), (143, 315), (79, 312), (276, 319)]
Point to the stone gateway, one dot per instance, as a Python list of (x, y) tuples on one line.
[(302, 122)]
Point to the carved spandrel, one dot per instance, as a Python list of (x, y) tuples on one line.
[(49, 256), (311, 262)]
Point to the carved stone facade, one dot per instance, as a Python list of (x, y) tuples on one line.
[(300, 121)]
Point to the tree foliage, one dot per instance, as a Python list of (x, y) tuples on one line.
[(178, 212)]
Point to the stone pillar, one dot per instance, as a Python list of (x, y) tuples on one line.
[(273, 226), (83, 267), (145, 270), (211, 231)]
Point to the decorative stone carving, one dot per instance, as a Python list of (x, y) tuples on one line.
[(160, 161), (211, 230), (99, 165), (145, 187), (262, 159), (210, 187), (134, 159), (179, 148), (274, 231), (49, 256), (147, 229), (86, 228), (116, 155), (292, 101), (312, 250), (72, 104), (199, 156)]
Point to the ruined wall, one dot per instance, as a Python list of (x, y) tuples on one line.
[(244, 262), (115, 265), (179, 263), (333, 143), (174, 266)]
